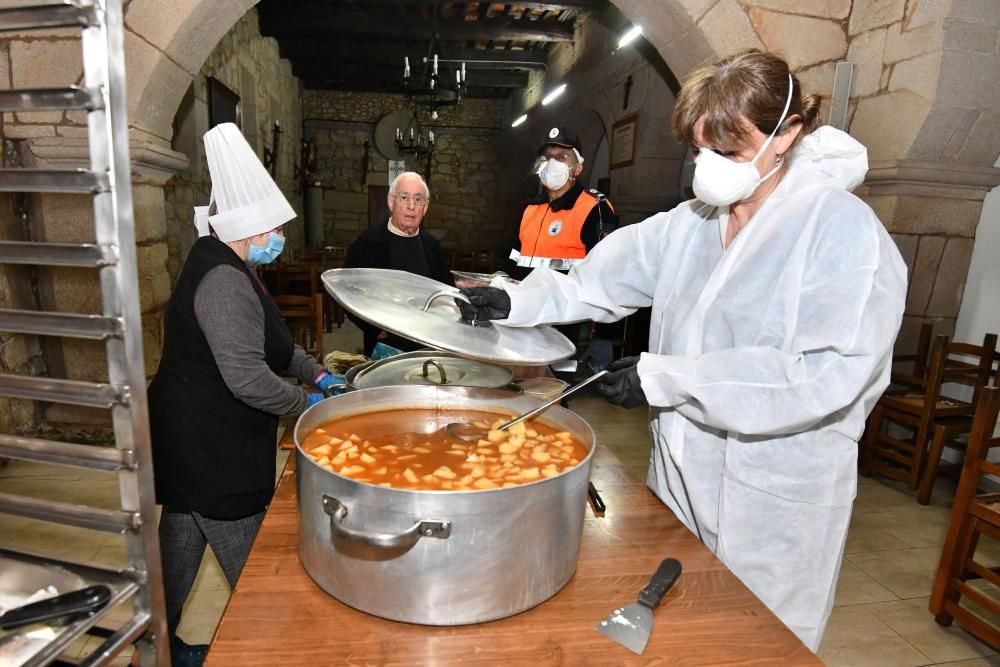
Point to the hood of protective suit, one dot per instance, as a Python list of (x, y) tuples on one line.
[(830, 157)]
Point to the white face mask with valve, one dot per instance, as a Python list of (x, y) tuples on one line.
[(719, 181), (553, 174)]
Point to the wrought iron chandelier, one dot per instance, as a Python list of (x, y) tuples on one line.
[(413, 141), (441, 83)]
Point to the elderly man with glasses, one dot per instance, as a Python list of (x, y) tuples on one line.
[(399, 244)]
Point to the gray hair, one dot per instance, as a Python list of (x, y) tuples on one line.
[(410, 174)]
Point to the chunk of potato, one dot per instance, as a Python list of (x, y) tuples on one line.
[(507, 458), (444, 472), (410, 476), (549, 472), (541, 457), (323, 460), (518, 429), (421, 450), (477, 472), (456, 452), (483, 483), (350, 471), (508, 448), (322, 450), (367, 458), (531, 473), (496, 436)]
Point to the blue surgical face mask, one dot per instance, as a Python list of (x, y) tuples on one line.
[(267, 254)]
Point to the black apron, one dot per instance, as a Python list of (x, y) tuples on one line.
[(212, 453)]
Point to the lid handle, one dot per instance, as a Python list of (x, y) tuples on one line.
[(438, 366), (454, 294)]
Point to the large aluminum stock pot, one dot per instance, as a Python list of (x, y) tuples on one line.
[(439, 557)]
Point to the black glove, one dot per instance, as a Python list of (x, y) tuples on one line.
[(621, 385), (488, 303)]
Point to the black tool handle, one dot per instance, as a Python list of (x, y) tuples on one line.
[(74, 603), (595, 498), (661, 582)]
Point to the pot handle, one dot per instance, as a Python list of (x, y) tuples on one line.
[(423, 528), (440, 369)]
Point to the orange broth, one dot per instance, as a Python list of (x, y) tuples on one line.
[(409, 449)]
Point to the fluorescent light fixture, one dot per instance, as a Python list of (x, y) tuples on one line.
[(554, 94), (631, 34), (520, 119)]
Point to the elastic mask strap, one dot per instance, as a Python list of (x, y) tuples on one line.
[(788, 104)]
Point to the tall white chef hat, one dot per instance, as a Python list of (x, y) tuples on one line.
[(246, 197)]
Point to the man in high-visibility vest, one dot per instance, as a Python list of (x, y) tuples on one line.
[(561, 224)]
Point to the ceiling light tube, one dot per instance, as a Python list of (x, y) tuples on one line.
[(520, 120), (630, 34), (554, 94)]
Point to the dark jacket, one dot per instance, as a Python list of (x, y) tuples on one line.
[(371, 250), (212, 453)]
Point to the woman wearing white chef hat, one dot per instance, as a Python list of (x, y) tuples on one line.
[(216, 397)]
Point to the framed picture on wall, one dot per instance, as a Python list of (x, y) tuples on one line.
[(624, 135), (223, 104)]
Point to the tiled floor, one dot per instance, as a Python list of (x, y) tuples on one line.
[(880, 619)]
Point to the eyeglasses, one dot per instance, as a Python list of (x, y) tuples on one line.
[(405, 199), (561, 156)]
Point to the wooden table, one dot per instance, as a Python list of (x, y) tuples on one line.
[(277, 616)]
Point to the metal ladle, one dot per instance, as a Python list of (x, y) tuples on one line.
[(466, 431)]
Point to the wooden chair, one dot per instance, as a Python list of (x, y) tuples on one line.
[(971, 517), (302, 279), (304, 316), (917, 361), (947, 432), (917, 411)]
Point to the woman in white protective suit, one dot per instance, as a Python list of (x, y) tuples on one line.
[(776, 297)]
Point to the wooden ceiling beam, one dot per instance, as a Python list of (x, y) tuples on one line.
[(336, 25), (393, 76), (305, 51), (549, 6), (350, 85)]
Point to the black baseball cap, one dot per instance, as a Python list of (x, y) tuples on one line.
[(561, 136)]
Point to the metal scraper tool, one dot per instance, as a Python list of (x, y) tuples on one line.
[(630, 626)]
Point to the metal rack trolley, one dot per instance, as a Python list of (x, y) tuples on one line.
[(102, 96)]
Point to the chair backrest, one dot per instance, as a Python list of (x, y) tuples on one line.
[(980, 441), (971, 365), (304, 316), (300, 279)]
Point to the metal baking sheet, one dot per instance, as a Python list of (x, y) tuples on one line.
[(394, 300)]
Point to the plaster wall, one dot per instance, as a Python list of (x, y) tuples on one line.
[(597, 78)]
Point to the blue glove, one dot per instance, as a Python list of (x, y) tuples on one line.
[(326, 381), (313, 398)]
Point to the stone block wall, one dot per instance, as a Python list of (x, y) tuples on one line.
[(932, 129), (250, 66), (462, 213)]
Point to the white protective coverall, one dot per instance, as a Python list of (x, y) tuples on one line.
[(765, 360)]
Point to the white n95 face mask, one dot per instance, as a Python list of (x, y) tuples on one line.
[(719, 181), (553, 174)]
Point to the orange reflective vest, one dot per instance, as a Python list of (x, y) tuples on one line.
[(552, 238)]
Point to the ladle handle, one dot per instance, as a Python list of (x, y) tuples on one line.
[(547, 404)]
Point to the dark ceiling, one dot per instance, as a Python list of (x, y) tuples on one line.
[(359, 45)]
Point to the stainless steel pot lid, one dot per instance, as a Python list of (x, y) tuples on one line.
[(397, 301), (433, 368)]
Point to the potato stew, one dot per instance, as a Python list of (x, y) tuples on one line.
[(410, 449)]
